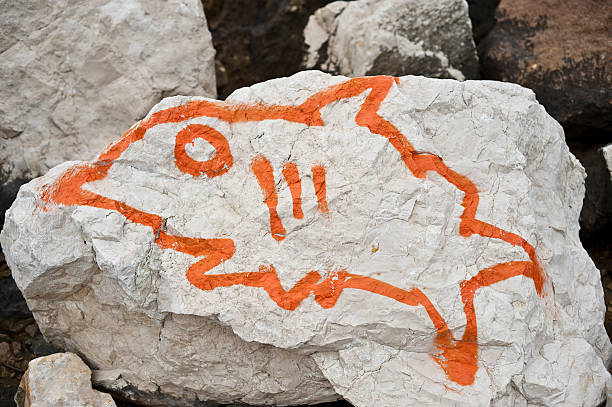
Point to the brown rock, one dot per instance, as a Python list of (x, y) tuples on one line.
[(31, 330), (17, 350), (5, 351), (15, 326), (561, 50)]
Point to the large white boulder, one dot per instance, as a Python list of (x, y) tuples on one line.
[(59, 380), (393, 37), (75, 74), (396, 241)]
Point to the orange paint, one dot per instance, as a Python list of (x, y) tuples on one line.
[(292, 177), (318, 178), (457, 357), (262, 169), (218, 165)]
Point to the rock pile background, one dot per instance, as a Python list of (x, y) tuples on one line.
[(260, 40), (401, 37)]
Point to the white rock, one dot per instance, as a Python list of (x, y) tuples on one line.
[(75, 74), (59, 380), (392, 37), (166, 258), (607, 154)]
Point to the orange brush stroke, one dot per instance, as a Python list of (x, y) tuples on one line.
[(262, 169), (219, 164), (292, 177), (457, 357), (318, 179)]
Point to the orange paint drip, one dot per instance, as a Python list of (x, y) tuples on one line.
[(262, 169), (458, 358), (292, 177), (318, 178)]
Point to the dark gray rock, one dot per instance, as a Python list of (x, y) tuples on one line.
[(393, 37)]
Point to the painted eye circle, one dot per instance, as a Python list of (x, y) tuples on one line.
[(187, 139)]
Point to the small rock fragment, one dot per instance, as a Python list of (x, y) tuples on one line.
[(59, 380), (5, 351)]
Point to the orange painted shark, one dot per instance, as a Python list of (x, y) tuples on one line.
[(456, 356)]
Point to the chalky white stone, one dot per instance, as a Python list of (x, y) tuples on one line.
[(392, 37), (59, 380), (607, 155), (75, 74), (394, 241)]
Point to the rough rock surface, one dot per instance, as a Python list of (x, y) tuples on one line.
[(397, 242), (75, 75), (59, 380), (393, 37), (561, 50)]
